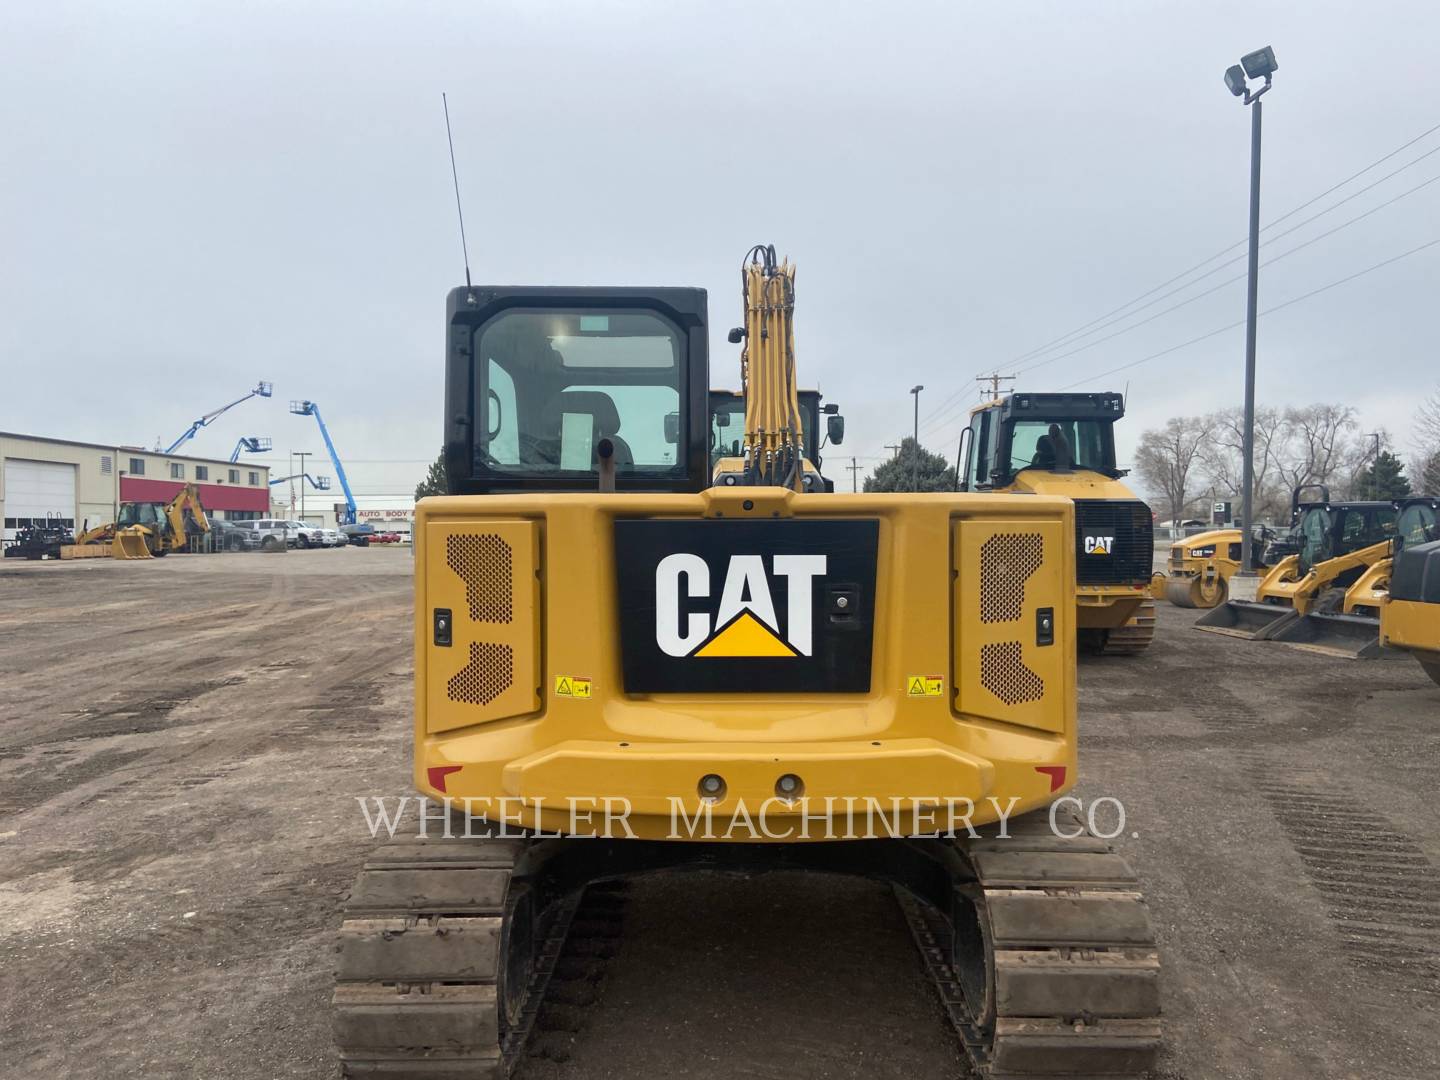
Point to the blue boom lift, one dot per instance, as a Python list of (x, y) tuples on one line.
[(262, 389), (309, 408), (250, 444)]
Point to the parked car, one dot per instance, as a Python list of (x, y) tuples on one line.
[(360, 534), (233, 535), (274, 533), (332, 538), (386, 538)]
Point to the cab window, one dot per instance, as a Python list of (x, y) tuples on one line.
[(552, 383)]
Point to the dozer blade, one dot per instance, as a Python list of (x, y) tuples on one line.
[(129, 545), (1246, 619), (1334, 634)]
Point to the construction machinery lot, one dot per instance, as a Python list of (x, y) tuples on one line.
[(182, 742)]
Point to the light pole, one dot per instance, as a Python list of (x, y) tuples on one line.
[(1255, 65), (915, 461), (302, 455)]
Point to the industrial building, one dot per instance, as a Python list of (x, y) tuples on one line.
[(76, 482)]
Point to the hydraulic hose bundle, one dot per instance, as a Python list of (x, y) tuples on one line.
[(774, 443)]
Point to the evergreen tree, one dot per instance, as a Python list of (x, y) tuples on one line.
[(898, 474), (1384, 479), (434, 482)]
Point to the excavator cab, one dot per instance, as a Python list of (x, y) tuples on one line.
[(544, 385)]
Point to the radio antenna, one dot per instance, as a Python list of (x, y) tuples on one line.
[(455, 176)]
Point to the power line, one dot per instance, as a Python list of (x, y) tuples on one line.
[(1240, 257), (1063, 338), (1270, 310), (1238, 277)]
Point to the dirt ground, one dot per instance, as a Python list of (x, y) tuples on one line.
[(181, 742)]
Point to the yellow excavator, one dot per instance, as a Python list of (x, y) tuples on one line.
[(144, 530), (1064, 444), (623, 666)]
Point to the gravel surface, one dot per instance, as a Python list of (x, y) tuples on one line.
[(182, 742)]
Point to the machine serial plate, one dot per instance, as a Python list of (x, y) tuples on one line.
[(746, 606)]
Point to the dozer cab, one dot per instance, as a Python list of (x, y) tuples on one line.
[(1064, 444), (1300, 600), (623, 667), (1198, 572)]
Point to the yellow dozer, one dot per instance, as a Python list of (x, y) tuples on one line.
[(1324, 597), (623, 667), (1064, 444), (152, 529)]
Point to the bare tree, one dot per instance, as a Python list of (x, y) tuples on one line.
[(1321, 441), (1222, 457), (1427, 425), (1165, 459)]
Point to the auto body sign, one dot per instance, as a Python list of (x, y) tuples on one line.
[(745, 606)]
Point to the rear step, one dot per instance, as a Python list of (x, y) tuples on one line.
[(1247, 619)]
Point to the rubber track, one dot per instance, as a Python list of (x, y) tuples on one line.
[(420, 948), (1073, 985), (1135, 636)]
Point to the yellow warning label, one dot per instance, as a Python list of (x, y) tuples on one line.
[(924, 685), (571, 686)]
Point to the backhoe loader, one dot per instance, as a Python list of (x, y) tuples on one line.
[(1064, 444), (146, 529), (623, 666), (1345, 549)]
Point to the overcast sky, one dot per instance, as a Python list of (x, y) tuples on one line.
[(194, 197)]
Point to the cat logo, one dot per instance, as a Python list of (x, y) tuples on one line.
[(746, 607), (744, 623), (1099, 545)]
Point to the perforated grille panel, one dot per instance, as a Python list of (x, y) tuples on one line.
[(488, 674), (483, 562), (1007, 560), (1003, 671)]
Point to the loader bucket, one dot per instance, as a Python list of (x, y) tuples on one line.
[(129, 545), (1334, 634), (1246, 619)]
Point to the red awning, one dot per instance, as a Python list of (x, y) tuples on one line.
[(212, 496)]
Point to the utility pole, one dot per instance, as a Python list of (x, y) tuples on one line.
[(892, 446), (915, 462), (302, 455), (854, 475), (1258, 64), (995, 380)]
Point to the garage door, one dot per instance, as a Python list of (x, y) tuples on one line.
[(35, 490)]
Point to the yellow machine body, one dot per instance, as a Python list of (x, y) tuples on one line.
[(1098, 607), (1284, 585), (1414, 626), (523, 714), (1199, 569)]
